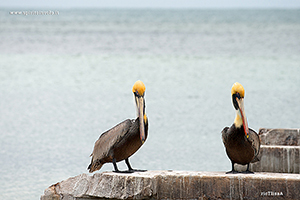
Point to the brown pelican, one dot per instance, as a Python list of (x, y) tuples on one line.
[(242, 143), (123, 140)]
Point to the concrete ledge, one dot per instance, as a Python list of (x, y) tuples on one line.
[(279, 159), (175, 185), (286, 137)]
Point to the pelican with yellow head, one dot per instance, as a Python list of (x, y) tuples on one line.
[(242, 144), (124, 139)]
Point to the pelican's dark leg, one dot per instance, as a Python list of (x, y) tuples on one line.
[(128, 165), (130, 168), (247, 170), (232, 169), (117, 170), (115, 165)]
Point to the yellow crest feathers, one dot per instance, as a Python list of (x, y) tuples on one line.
[(139, 87), (238, 88)]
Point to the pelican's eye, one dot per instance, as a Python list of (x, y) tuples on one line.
[(136, 93)]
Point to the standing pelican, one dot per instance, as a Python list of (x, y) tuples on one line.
[(123, 140), (242, 143)]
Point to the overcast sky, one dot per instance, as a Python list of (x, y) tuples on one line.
[(151, 4)]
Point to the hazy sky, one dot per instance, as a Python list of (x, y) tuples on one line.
[(152, 4)]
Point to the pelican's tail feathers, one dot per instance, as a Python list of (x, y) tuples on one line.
[(94, 166)]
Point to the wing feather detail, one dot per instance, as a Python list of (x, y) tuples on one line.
[(109, 139)]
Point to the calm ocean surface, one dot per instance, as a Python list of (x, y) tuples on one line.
[(65, 79)]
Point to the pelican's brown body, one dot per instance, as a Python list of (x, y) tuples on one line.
[(120, 143), (124, 139), (242, 144), (239, 148)]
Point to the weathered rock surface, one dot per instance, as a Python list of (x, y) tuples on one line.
[(279, 152), (279, 159), (287, 137), (175, 185)]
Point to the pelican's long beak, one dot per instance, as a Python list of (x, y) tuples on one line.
[(243, 115), (140, 109)]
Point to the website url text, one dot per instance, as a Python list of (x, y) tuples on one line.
[(48, 12)]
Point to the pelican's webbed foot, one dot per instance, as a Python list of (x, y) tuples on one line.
[(124, 172), (130, 168), (138, 170)]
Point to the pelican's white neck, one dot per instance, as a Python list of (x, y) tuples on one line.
[(238, 121)]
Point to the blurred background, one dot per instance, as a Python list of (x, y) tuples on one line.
[(66, 77)]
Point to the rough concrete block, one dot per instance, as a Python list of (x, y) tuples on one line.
[(279, 152), (280, 159), (288, 137)]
